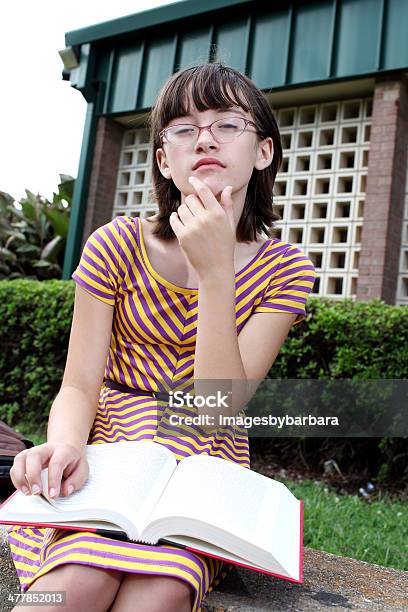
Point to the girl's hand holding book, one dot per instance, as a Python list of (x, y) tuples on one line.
[(68, 469)]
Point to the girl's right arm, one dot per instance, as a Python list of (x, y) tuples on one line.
[(74, 409)]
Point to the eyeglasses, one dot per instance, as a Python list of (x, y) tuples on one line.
[(222, 130)]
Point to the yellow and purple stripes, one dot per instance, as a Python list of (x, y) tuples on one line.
[(155, 322), (202, 573), (121, 416)]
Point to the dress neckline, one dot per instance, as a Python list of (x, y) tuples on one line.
[(177, 288)]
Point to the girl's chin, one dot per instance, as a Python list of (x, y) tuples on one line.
[(214, 184)]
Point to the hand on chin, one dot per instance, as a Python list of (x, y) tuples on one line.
[(215, 184)]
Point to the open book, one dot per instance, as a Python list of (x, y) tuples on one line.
[(205, 504)]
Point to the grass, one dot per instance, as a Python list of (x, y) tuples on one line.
[(345, 525)]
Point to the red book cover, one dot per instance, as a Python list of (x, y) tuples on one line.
[(122, 536)]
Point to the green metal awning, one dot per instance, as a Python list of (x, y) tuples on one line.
[(278, 44)]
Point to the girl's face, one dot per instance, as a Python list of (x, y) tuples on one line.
[(238, 158)]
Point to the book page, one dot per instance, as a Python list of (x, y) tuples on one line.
[(223, 494), (125, 477), (284, 544), (205, 547), (35, 510)]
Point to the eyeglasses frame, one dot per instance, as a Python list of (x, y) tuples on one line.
[(206, 127)]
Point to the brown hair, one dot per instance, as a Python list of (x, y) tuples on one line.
[(209, 90)]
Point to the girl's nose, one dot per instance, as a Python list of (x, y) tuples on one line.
[(205, 138)]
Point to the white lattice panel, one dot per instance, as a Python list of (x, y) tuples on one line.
[(402, 285), (320, 190), (133, 189)]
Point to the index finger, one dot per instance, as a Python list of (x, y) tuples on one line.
[(17, 472), (34, 465), (207, 197), (56, 467)]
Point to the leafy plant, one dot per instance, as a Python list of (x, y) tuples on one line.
[(33, 233)]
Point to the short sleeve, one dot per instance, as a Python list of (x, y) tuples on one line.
[(98, 268), (290, 285)]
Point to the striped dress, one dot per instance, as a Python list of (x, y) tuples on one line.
[(152, 348)]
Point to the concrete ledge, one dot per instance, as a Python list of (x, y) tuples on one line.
[(329, 582)]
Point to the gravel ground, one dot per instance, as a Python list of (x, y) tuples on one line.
[(8, 578)]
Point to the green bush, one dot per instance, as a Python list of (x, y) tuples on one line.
[(346, 339), (338, 340), (34, 334)]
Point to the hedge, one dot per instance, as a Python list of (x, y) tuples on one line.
[(339, 340)]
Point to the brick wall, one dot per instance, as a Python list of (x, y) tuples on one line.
[(383, 212), (104, 175)]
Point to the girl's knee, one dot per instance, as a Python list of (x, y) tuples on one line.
[(83, 587), (91, 588), (178, 594), (154, 593), (76, 574)]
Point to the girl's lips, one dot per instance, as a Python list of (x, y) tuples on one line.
[(208, 166)]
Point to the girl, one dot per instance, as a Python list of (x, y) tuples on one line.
[(177, 297)]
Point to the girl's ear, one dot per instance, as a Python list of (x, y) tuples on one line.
[(264, 154), (162, 163)]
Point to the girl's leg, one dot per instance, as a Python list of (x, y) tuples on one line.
[(86, 587), (150, 593)]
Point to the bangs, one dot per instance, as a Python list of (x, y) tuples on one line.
[(208, 88)]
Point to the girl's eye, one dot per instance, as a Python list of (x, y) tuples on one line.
[(230, 125), (183, 130)]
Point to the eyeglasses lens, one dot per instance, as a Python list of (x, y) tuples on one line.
[(224, 130)]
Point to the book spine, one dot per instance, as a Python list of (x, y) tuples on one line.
[(117, 535)]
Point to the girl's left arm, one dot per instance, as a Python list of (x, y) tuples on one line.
[(241, 362)]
